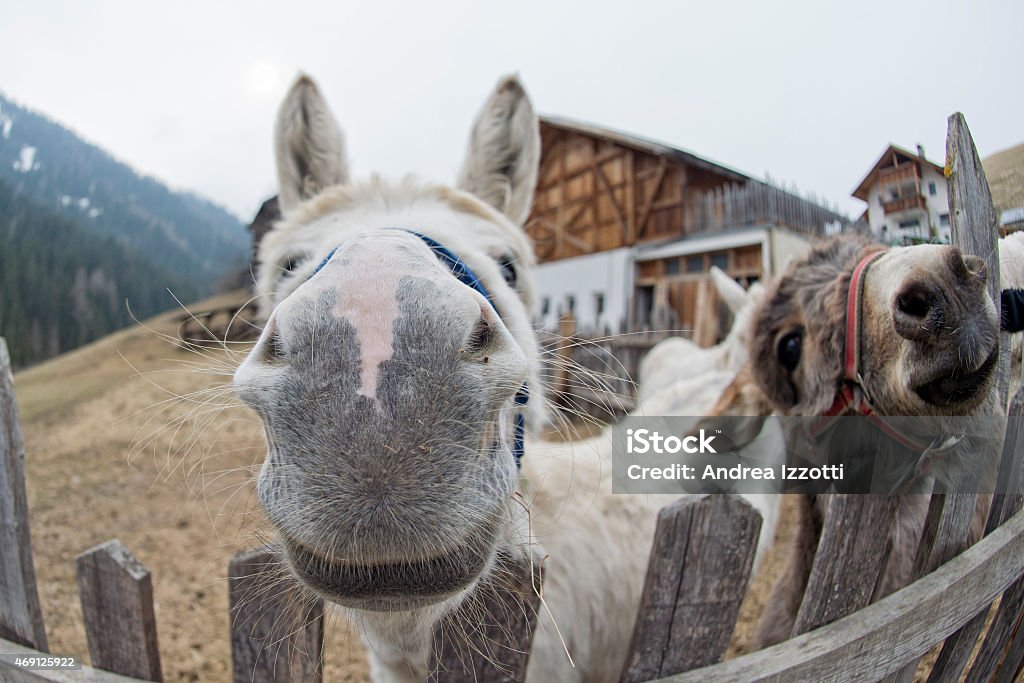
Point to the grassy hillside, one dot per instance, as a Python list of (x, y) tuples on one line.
[(1005, 173)]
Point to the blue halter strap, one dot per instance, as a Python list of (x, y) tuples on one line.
[(466, 276)]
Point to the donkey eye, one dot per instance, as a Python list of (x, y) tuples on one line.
[(508, 271), (788, 350), (290, 264)]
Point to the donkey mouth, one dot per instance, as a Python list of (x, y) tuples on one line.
[(959, 388), (388, 586)]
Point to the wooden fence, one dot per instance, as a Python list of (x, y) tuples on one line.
[(969, 600), (757, 203)]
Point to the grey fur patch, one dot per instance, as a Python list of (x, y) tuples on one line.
[(399, 474)]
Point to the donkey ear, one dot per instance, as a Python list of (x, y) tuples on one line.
[(732, 292), (308, 144), (504, 152)]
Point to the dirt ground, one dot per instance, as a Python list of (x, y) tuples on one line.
[(136, 439)]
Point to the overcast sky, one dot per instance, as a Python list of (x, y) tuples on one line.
[(809, 92)]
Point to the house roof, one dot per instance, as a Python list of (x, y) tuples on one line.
[(884, 161), (642, 144)]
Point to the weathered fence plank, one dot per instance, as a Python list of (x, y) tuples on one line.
[(1012, 667), (488, 639), (697, 575), (116, 591), (975, 230), (276, 630), (1011, 606), (973, 221), (87, 674), (958, 648), (886, 635), (21, 619), (849, 559)]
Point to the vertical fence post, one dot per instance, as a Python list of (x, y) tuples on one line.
[(697, 575), (975, 231), (21, 619), (850, 556), (117, 607), (277, 631), (489, 637)]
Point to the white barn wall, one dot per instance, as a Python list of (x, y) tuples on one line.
[(785, 246), (583, 277)]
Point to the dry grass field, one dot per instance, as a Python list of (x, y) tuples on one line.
[(136, 439)]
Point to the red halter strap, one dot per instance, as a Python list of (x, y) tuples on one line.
[(851, 361), (850, 396)]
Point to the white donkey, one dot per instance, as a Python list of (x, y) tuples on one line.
[(391, 376)]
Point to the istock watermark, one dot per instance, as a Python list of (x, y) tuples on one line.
[(648, 441), (809, 455)]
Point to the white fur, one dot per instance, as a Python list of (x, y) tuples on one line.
[(309, 145), (1011, 276), (505, 139)]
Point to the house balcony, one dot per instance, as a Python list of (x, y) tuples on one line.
[(900, 174), (903, 204)]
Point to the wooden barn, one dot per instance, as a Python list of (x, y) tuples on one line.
[(626, 229)]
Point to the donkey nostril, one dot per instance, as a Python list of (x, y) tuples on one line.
[(915, 303), (274, 350), (480, 337), (976, 266)]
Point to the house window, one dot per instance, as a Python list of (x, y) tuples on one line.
[(931, 188), (672, 266), (598, 304), (695, 264), (570, 302), (545, 306), (944, 220), (912, 224), (720, 260)]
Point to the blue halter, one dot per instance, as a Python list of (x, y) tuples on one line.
[(466, 276)]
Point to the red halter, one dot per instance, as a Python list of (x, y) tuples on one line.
[(850, 395)]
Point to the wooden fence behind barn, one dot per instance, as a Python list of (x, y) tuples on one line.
[(757, 203), (968, 599)]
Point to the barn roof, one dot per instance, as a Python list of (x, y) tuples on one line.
[(642, 144), (885, 160)]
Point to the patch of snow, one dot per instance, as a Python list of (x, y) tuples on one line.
[(83, 203), (65, 200), (6, 123), (93, 212), (26, 162)]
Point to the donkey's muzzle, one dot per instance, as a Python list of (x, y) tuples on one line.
[(390, 586)]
